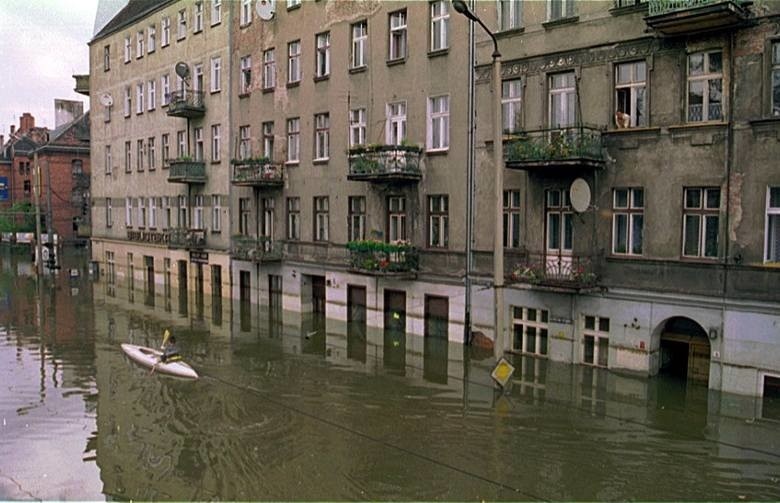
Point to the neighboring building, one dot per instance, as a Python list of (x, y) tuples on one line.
[(668, 111)]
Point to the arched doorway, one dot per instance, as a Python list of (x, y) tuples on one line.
[(685, 350)]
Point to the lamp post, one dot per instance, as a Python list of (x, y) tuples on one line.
[(498, 166)]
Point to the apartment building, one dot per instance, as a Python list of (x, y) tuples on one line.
[(159, 90), (639, 146)]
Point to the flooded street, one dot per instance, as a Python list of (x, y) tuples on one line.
[(292, 407)]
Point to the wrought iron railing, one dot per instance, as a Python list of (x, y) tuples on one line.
[(556, 270), (187, 238), (256, 249), (184, 169), (658, 7), (563, 144), (257, 171), (186, 103), (377, 160), (378, 257)]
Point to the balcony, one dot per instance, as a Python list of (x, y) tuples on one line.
[(385, 164), (377, 258), (188, 104), (82, 84), (557, 271), (568, 149), (259, 172), (685, 17), (185, 170), (188, 239), (256, 249)]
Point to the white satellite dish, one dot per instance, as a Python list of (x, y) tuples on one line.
[(579, 193), (265, 9), (106, 100)]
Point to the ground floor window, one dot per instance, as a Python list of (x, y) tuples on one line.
[(530, 330), (595, 341), (771, 402)]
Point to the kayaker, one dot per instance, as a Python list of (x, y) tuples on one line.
[(170, 351)]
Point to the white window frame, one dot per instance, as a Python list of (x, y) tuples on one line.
[(128, 104), (128, 157), (511, 219), (322, 59), (357, 127), (183, 213), (140, 38), (511, 105), (567, 9), (396, 123), (127, 52), (139, 98), (165, 31), (321, 218), (705, 213), (198, 17), (165, 149), (294, 62), (151, 159), (129, 212), (216, 213), (152, 212), (245, 82), (181, 144), (510, 14), (199, 153), (438, 221), (216, 12), (244, 142), (151, 43), (165, 82), (597, 328), (216, 74), (216, 142), (630, 211), (438, 130), (245, 14), (181, 25), (532, 323), (440, 25), (706, 77), (140, 151), (396, 219), (108, 161), (633, 86), (151, 91), (198, 222), (165, 209), (321, 136), (269, 68), (564, 92), (106, 58), (772, 235), (293, 230), (356, 218), (398, 35), (359, 33), (268, 139), (142, 214), (109, 212), (293, 140)]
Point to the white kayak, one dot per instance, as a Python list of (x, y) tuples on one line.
[(149, 358)]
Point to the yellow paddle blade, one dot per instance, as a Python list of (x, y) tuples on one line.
[(165, 337)]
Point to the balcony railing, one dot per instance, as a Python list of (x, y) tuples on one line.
[(186, 104), (563, 271), (256, 249), (190, 239), (385, 163), (574, 147), (259, 172), (379, 258), (186, 171), (679, 17)]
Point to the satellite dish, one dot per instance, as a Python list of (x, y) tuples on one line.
[(182, 70), (265, 9), (579, 193), (106, 100)]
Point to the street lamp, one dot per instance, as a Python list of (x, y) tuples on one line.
[(498, 166)]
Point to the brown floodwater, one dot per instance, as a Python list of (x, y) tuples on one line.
[(294, 407)]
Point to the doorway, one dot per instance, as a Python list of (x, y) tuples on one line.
[(685, 350), (436, 344), (244, 287), (356, 323), (558, 233), (395, 330), (318, 295)]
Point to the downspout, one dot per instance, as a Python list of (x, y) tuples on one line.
[(470, 162), (228, 135)]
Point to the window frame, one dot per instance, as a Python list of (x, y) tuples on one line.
[(216, 142), (215, 84), (515, 14), (322, 55), (396, 123), (512, 222), (294, 72), (632, 86), (398, 36), (439, 21), (704, 77), (321, 230), (216, 12), (438, 221), (630, 211), (269, 69), (293, 208), (245, 81), (356, 218), (772, 214), (359, 45), (596, 328), (539, 322), (438, 122), (321, 137), (357, 126), (293, 140), (704, 214), (512, 105)]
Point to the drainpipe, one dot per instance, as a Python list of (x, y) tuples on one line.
[(470, 187)]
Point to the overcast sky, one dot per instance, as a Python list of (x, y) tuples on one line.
[(42, 44)]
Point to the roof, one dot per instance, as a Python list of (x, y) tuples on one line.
[(133, 11), (73, 136)]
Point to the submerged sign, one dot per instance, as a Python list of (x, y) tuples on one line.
[(3, 188)]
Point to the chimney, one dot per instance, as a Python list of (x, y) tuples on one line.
[(2, 141), (13, 129), (66, 111), (26, 122)]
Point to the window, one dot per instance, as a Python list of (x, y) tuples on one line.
[(705, 86), (628, 221), (630, 88), (197, 213), (181, 29), (776, 79), (216, 213), (560, 236), (198, 17), (562, 100), (139, 98), (321, 218), (109, 212), (216, 133), (151, 43), (27, 187), (559, 9), (268, 140), (129, 212), (530, 330), (701, 221), (440, 25), (139, 44), (153, 212), (128, 103), (150, 153), (267, 222), (293, 140), (106, 58), (216, 74), (183, 222), (165, 28), (139, 155), (151, 94), (128, 154), (396, 219), (294, 62), (269, 69), (438, 221), (509, 14), (246, 74), (181, 144), (396, 123), (511, 105), (216, 12), (199, 150), (595, 341), (165, 82), (108, 161), (165, 149), (359, 44), (357, 127), (128, 49), (293, 218), (165, 206), (245, 16), (397, 43), (244, 142), (511, 219), (197, 80), (321, 136), (142, 215), (438, 123), (356, 219), (773, 225), (322, 61)]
